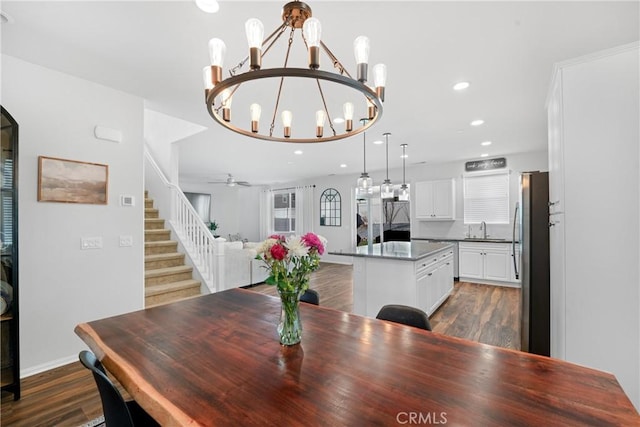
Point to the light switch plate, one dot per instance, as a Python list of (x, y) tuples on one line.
[(91, 243), (126, 241)]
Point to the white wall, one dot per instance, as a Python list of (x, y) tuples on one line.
[(60, 284)]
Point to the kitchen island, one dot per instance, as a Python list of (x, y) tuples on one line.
[(417, 273)]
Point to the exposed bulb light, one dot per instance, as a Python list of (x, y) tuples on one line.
[(386, 189), (361, 48), (484, 155), (217, 52), (347, 110), (227, 99), (485, 143), (255, 33), (380, 79), (404, 189), (477, 122), (209, 6), (461, 86), (320, 118), (255, 110), (312, 31), (365, 183), (287, 118), (208, 81)]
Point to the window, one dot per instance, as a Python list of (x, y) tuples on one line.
[(284, 212), (486, 198), (330, 208)]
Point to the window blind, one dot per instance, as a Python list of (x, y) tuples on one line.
[(486, 198)]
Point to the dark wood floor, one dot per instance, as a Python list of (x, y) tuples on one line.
[(67, 396)]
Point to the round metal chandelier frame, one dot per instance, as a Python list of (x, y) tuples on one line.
[(234, 81)]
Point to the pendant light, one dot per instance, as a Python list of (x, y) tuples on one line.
[(365, 183), (404, 190), (386, 189)]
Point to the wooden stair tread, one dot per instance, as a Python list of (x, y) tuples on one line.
[(156, 272), (158, 231), (171, 301), (171, 287), (161, 257), (161, 243)]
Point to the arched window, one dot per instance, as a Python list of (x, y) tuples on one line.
[(331, 208)]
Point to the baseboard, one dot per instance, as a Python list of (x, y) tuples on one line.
[(38, 369)]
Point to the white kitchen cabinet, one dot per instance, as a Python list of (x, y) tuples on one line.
[(435, 200), (594, 183), (486, 262)]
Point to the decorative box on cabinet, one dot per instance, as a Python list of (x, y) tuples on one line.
[(435, 200)]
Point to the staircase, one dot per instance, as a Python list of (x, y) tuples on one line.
[(166, 277)]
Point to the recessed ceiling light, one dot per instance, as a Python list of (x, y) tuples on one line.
[(484, 155), (378, 142), (477, 122), (343, 165), (485, 143), (209, 6), (461, 86), (298, 152), (338, 120)]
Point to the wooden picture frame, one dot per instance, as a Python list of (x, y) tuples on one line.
[(72, 181)]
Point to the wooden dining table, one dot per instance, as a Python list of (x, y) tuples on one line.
[(216, 360)]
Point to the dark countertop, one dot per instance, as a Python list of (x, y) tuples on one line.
[(405, 251), (464, 239)]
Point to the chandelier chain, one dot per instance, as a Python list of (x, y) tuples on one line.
[(336, 63), (326, 110), (286, 61)]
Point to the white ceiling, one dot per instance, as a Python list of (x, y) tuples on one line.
[(156, 50)]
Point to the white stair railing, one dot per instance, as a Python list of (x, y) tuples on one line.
[(189, 228)]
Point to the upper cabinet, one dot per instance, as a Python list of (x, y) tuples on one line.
[(435, 200)]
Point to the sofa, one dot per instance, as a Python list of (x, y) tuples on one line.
[(236, 263)]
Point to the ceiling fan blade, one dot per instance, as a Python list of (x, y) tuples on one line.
[(243, 183)]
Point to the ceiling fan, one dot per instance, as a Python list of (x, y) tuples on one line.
[(231, 182)]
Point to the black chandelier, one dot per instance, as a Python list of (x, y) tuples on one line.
[(296, 15)]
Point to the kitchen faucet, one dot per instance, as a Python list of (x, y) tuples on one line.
[(483, 227)]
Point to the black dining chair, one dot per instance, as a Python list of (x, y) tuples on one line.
[(406, 315), (117, 411), (310, 296)]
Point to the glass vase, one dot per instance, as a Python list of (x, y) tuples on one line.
[(290, 327)]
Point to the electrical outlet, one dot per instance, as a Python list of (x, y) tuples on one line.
[(91, 243), (126, 241)]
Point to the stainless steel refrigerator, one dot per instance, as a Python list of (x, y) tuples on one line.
[(531, 234)]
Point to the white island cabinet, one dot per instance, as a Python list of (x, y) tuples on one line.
[(417, 274)]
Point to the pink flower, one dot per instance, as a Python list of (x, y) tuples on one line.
[(313, 241), (278, 252), (278, 237)]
